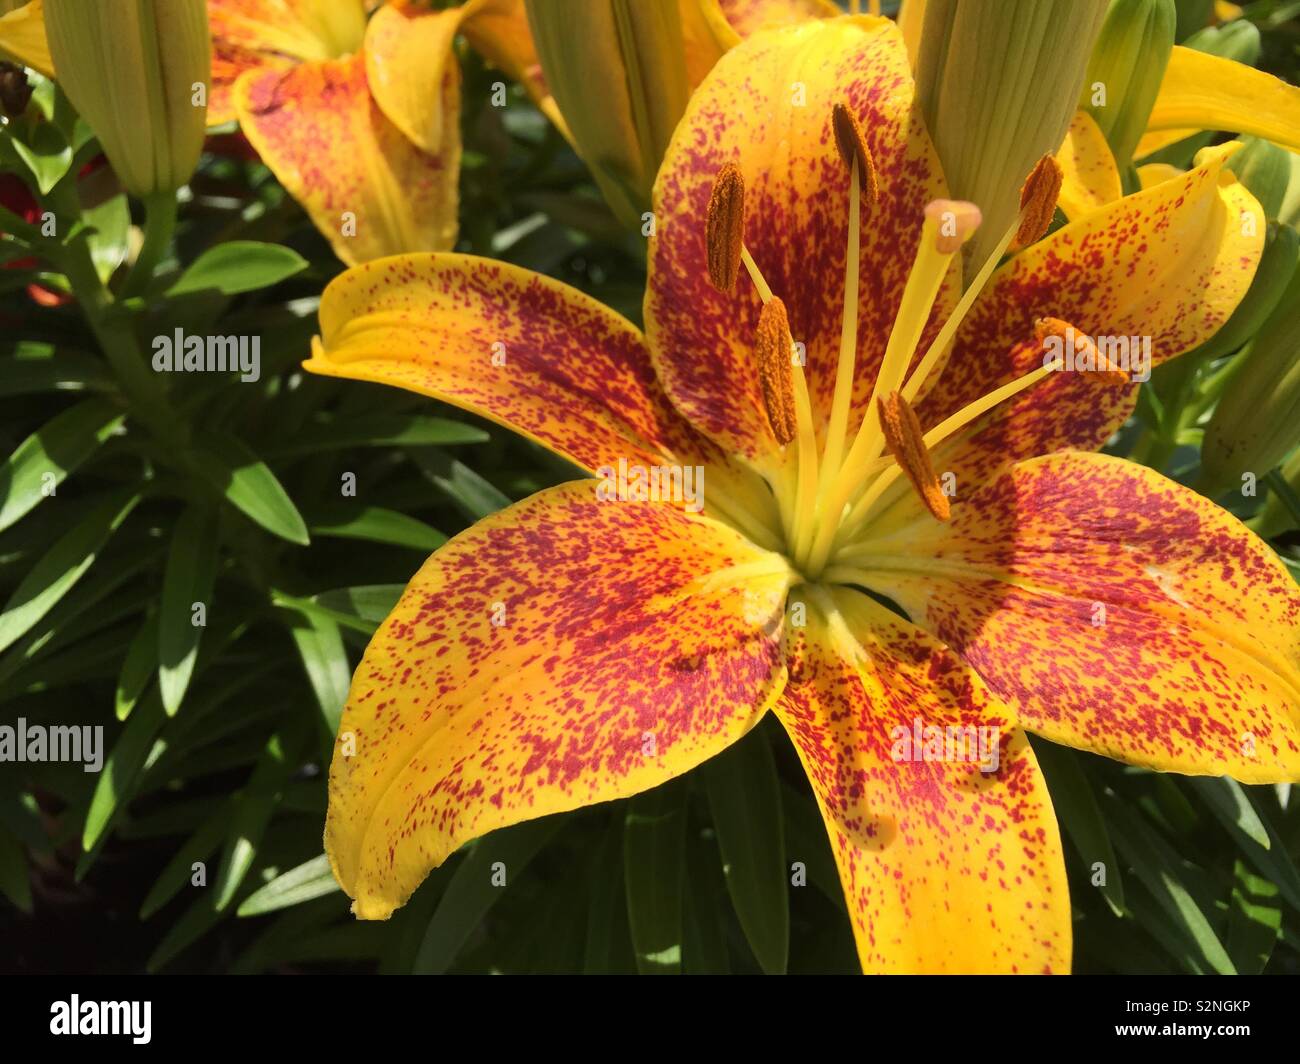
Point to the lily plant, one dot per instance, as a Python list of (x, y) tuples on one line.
[(906, 535)]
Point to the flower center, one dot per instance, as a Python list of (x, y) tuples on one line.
[(831, 476)]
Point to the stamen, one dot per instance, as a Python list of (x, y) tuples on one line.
[(725, 227), (1038, 197), (906, 442), (1085, 354), (773, 346), (853, 146)]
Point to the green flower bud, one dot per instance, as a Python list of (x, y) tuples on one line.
[(617, 70), (1127, 65), (1265, 169), (138, 72), (1257, 421), (997, 85)]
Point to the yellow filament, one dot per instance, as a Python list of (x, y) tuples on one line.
[(755, 274), (839, 423)]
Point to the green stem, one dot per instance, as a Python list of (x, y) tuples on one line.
[(159, 225)]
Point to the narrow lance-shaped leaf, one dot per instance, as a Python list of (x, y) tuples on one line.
[(59, 569), (186, 599), (654, 861), (250, 486), (43, 461), (745, 797)]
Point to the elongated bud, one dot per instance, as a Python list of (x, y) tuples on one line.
[(1276, 515), (1127, 65), (773, 347), (853, 146), (1257, 421), (725, 227), (618, 72), (1265, 169), (906, 442), (138, 73), (997, 85), (1038, 198)]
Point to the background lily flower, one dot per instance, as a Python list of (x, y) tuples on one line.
[(570, 650)]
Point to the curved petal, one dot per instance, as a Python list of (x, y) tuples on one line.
[(1118, 612), (274, 34), (408, 50), (767, 107), (1170, 263), (22, 37), (747, 17), (1203, 91), (522, 349), (1090, 177), (947, 868), (498, 30), (368, 189), (1155, 173), (1152, 141), (563, 652)]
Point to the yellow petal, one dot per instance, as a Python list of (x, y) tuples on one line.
[(368, 189), (1091, 178), (563, 652), (1118, 612), (522, 349), (1153, 140), (946, 867), (1155, 173), (22, 37), (408, 51), (1203, 91)]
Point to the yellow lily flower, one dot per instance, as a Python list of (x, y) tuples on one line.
[(356, 114), (358, 119), (862, 425)]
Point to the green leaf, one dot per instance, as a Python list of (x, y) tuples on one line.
[(808, 844), (384, 430), (378, 525), (137, 668), (110, 238), (179, 871), (238, 266), (606, 942), (476, 886), (44, 460), (188, 580), (320, 646), (115, 785), (654, 861), (1273, 861), (371, 602), (253, 811), (59, 569), (47, 155), (745, 798), (1229, 803), (250, 486), (1078, 813), (1254, 920), (1159, 868), (475, 496), (36, 368), (15, 882), (313, 879)]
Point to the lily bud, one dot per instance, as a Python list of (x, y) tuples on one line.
[(1127, 65), (1265, 169), (618, 72), (138, 72), (993, 117), (1257, 421)]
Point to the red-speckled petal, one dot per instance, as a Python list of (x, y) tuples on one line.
[(946, 867), (1119, 612), (563, 652), (520, 348), (1170, 263), (252, 34), (408, 50), (767, 107), (368, 189), (747, 17)]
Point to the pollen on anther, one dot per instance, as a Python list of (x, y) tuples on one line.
[(1085, 350), (853, 145), (906, 440), (725, 227), (773, 346), (1038, 196)]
